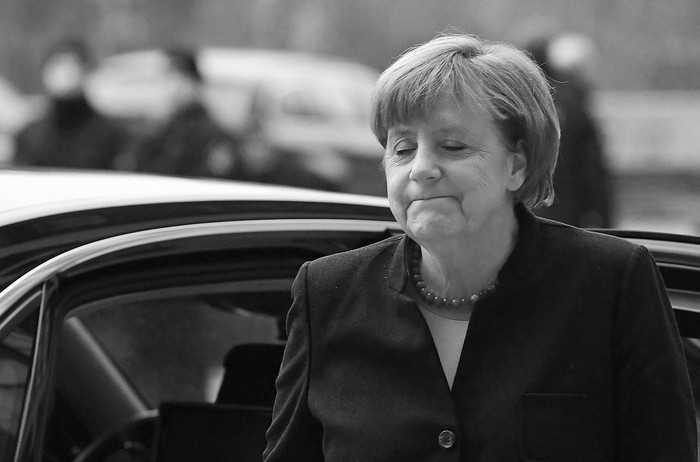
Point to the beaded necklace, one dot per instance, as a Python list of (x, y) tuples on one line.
[(437, 300)]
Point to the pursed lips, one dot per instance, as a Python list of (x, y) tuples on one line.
[(429, 198), (432, 202)]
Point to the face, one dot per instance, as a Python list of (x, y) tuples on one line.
[(450, 174), (63, 75)]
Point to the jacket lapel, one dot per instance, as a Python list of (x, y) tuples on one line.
[(408, 311)]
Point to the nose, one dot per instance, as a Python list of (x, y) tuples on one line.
[(425, 165)]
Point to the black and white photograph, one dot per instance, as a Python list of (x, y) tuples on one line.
[(349, 231)]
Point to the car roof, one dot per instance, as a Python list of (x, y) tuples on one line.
[(29, 194), (45, 212)]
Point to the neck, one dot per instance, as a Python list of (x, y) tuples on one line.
[(469, 264)]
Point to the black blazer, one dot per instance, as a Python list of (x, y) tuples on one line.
[(576, 357)]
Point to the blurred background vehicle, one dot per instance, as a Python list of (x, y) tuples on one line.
[(287, 107)]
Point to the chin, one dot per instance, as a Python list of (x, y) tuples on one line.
[(434, 231)]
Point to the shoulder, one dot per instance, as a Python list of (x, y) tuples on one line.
[(353, 260), (592, 266), (364, 273), (580, 246), (361, 255)]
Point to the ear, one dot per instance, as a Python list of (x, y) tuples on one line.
[(518, 167)]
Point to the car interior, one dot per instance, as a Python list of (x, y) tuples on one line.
[(175, 346)]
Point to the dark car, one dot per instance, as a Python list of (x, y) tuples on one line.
[(142, 316)]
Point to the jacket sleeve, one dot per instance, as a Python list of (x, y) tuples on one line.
[(295, 434), (655, 413)]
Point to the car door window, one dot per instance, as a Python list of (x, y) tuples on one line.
[(16, 352), (122, 357), (172, 347)]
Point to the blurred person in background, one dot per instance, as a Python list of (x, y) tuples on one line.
[(189, 142), (582, 181), (70, 133)]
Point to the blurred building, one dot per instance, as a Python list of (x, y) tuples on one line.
[(644, 44)]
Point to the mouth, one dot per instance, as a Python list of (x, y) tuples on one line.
[(430, 198), (432, 202)]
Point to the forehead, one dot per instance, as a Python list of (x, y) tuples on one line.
[(446, 113), (405, 107)]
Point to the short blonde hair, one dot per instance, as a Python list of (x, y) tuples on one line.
[(499, 78)]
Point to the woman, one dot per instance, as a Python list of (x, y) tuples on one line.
[(483, 333)]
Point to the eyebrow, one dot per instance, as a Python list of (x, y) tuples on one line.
[(444, 131), (459, 129), (398, 131)]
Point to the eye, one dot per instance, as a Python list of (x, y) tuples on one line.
[(404, 152), (404, 148), (453, 146)]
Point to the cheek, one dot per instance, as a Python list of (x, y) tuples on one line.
[(493, 177), (394, 178), (482, 181), (395, 188)]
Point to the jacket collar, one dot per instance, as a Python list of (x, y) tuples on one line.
[(519, 267)]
